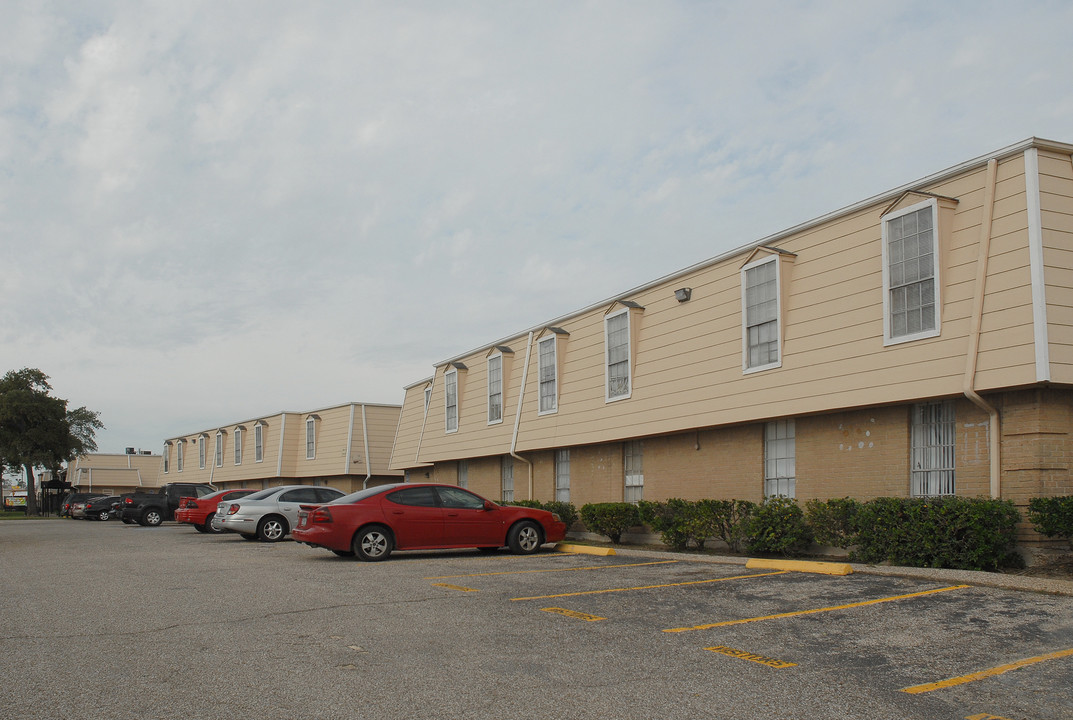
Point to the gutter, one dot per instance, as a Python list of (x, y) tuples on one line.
[(969, 381), (518, 414)]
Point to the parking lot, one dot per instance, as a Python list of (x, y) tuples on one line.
[(119, 621)]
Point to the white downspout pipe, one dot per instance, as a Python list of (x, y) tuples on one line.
[(969, 381), (368, 460), (282, 433), (518, 414)]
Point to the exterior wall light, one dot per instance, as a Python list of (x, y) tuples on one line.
[(683, 294)]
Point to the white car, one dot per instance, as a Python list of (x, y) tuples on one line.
[(270, 514)]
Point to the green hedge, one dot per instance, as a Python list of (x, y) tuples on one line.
[(566, 511), (947, 532), (1053, 516), (610, 519), (951, 532)]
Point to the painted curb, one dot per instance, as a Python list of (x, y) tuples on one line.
[(584, 549), (824, 568)]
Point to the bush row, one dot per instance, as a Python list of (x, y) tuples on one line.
[(951, 532)]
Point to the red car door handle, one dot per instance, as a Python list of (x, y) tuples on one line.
[(396, 512)]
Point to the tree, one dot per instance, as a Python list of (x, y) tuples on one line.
[(37, 429)]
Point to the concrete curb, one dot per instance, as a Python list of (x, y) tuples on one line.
[(585, 549), (822, 568)]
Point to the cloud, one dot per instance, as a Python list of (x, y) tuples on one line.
[(211, 210)]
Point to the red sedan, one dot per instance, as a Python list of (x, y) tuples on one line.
[(410, 516), (199, 511)]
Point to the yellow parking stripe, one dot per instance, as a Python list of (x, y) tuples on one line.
[(647, 587), (971, 677), (574, 614), (549, 570), (816, 610), (460, 588)]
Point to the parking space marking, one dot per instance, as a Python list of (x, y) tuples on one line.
[(460, 588), (752, 657), (573, 614), (990, 672), (815, 610), (550, 570), (648, 587)]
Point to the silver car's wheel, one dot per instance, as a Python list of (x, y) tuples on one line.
[(524, 538), (373, 543), (271, 529)]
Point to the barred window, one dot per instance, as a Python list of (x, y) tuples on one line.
[(779, 459), (933, 440), (633, 453), (506, 493), (562, 475)]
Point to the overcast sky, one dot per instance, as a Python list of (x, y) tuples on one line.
[(211, 211)]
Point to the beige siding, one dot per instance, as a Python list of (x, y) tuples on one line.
[(1056, 202), (114, 472), (687, 357), (411, 425)]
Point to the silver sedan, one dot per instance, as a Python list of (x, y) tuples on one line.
[(270, 514)]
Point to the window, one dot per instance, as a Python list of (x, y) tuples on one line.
[(635, 477), (201, 452), (311, 437), (760, 317), (219, 449), (617, 342), (932, 450), (779, 459), (415, 497), (549, 375), (300, 495), (259, 442), (506, 493), (428, 395), (179, 455), (450, 390), (495, 389), (463, 473), (167, 456), (455, 498), (910, 274), (562, 475), (238, 445)]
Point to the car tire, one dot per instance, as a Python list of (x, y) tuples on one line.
[(373, 543), (104, 515), (208, 525), (271, 528), (200, 528), (524, 538), (151, 518)]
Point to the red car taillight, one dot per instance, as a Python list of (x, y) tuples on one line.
[(191, 504), (321, 515), (128, 501), (233, 509)]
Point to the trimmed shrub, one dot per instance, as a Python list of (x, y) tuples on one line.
[(610, 519), (670, 519), (729, 519), (778, 526), (946, 532), (1052, 516), (834, 521)]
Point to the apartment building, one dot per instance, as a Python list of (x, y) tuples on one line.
[(113, 474), (346, 446), (915, 343)]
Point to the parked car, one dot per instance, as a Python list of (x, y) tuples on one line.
[(200, 511), (99, 508), (270, 514), (155, 507), (72, 498), (409, 516), (78, 509)]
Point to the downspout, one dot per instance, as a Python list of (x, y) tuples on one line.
[(368, 462), (349, 441), (969, 382), (282, 433), (518, 414)]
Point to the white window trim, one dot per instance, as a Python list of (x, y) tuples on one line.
[(201, 452), (167, 457), (562, 473), (502, 382), (238, 445), (311, 424), (629, 355), (179, 455), (937, 284), (447, 407), (553, 339), (218, 449), (746, 370), (259, 442)]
